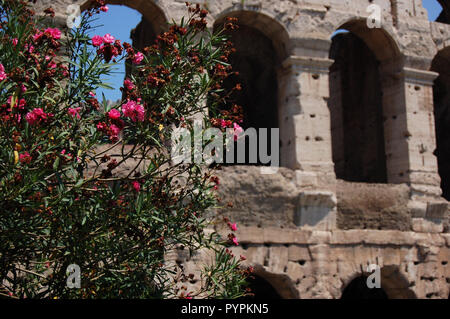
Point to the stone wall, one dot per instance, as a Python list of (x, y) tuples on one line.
[(307, 233)]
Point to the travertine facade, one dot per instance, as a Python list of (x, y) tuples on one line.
[(364, 139)]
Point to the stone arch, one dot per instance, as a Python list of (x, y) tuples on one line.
[(282, 284), (379, 40), (264, 23), (394, 285), (441, 95), (261, 47), (148, 8), (367, 105)]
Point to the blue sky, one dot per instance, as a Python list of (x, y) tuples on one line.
[(119, 21), (433, 7)]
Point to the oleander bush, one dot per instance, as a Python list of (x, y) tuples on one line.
[(88, 183)]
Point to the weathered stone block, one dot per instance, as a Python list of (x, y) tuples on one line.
[(423, 225), (316, 209), (297, 253)]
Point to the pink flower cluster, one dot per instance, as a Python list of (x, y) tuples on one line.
[(136, 186), (113, 130), (37, 115), (114, 127), (128, 84), (3, 75), (114, 114), (75, 112), (134, 111), (25, 158), (52, 33), (98, 40), (138, 57), (19, 104)]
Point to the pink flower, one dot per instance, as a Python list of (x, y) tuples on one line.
[(114, 131), (134, 111), (138, 57), (114, 114), (36, 115), (15, 41), (108, 38), (21, 103), (104, 8), (29, 48), (97, 41), (23, 88), (25, 158), (31, 118), (54, 33), (101, 126), (92, 94), (237, 131), (74, 112), (38, 35), (3, 75), (136, 186), (235, 241), (128, 84), (233, 227)]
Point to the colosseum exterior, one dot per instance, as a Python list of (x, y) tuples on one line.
[(364, 117)]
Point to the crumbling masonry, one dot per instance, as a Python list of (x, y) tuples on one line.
[(364, 119)]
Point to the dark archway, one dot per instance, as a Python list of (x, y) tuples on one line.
[(368, 105), (261, 289), (357, 289), (444, 17), (441, 95), (356, 111), (255, 60), (258, 56)]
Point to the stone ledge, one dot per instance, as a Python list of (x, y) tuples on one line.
[(254, 235)]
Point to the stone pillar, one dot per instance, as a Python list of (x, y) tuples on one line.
[(421, 137), (395, 123), (409, 128), (305, 119)]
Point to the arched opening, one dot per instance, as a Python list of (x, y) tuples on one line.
[(258, 56), (149, 10), (393, 285), (135, 22), (361, 100), (261, 289), (441, 95), (358, 289)]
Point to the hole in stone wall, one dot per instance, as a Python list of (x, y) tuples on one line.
[(255, 60), (441, 95), (357, 289), (356, 111)]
